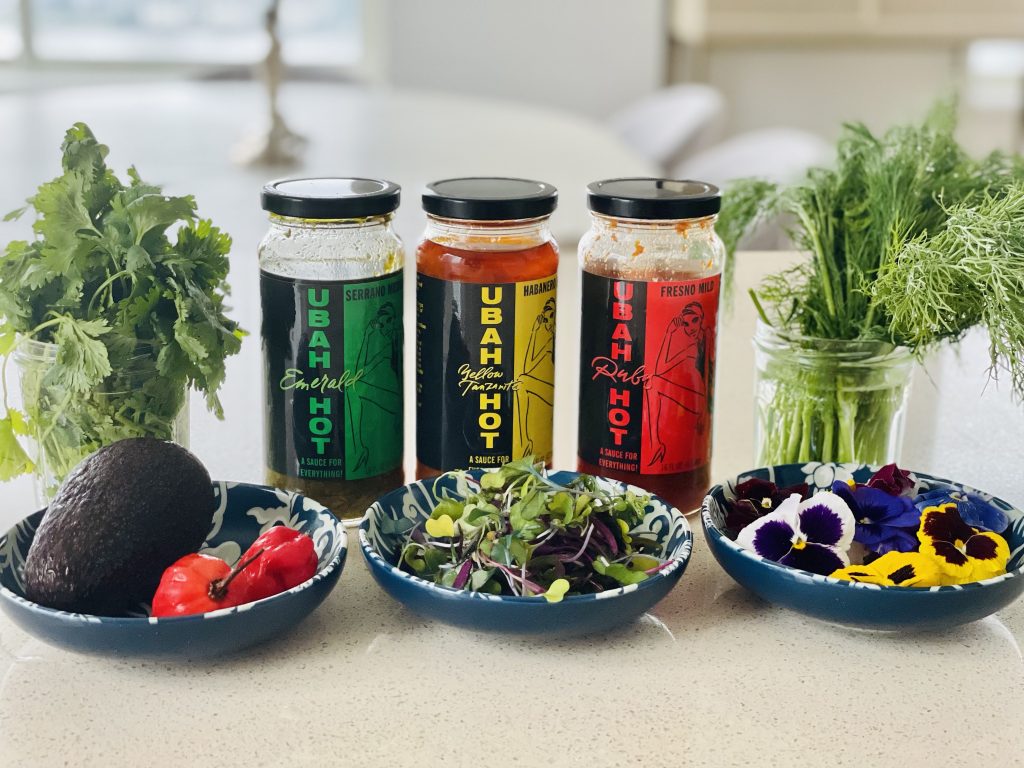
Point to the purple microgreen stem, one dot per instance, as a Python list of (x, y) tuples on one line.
[(586, 543), (512, 574), (463, 577), (655, 569)]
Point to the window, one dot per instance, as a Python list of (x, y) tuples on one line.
[(995, 71), (190, 31), (10, 31)]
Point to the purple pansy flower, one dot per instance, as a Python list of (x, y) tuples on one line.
[(813, 535), (973, 510), (885, 523), (893, 480), (755, 498)]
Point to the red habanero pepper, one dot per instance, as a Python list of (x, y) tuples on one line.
[(200, 583), (284, 559)]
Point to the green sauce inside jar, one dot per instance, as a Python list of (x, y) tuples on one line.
[(331, 296)]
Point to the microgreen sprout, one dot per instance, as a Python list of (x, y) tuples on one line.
[(517, 532)]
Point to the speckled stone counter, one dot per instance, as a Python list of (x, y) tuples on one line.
[(712, 677)]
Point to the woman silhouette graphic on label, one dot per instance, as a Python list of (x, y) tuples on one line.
[(377, 391), (677, 388), (535, 395)]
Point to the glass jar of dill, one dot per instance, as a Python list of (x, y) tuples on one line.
[(831, 400), (331, 295)]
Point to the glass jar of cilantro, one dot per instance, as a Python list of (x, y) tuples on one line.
[(63, 426), (331, 293)]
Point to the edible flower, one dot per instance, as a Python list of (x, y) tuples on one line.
[(882, 519), (893, 480), (973, 509), (963, 553), (755, 498), (895, 569), (813, 535)]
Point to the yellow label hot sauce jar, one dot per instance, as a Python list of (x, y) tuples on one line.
[(485, 324), (652, 266), (331, 294)]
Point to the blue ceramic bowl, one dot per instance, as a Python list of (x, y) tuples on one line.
[(243, 513), (382, 534), (849, 603)]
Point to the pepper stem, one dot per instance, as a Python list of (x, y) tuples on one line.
[(219, 587)]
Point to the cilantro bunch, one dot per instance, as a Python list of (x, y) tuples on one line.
[(135, 312), (517, 532)]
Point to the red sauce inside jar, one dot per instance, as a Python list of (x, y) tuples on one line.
[(650, 288)]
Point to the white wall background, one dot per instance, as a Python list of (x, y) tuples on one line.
[(818, 88), (813, 64), (586, 56)]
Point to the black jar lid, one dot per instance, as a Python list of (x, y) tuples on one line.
[(643, 198), (489, 199), (330, 198)]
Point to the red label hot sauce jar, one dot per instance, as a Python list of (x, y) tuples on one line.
[(485, 324), (652, 266)]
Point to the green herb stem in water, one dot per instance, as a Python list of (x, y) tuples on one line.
[(824, 406)]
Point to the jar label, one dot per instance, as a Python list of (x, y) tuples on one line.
[(332, 357), (647, 372), (485, 371)]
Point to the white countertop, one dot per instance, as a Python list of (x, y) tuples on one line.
[(712, 677)]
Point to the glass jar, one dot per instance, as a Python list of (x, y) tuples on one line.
[(331, 296), (828, 399), (64, 428), (652, 266), (485, 305)]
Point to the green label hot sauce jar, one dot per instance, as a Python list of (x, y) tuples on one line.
[(485, 324), (331, 295)]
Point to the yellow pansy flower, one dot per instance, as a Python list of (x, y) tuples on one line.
[(895, 569), (963, 553)]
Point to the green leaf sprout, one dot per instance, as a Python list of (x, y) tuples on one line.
[(517, 532)]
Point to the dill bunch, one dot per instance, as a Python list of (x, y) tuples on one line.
[(969, 274), (888, 200), (911, 243)]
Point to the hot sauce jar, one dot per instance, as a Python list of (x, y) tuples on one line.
[(651, 278), (485, 324), (331, 293)]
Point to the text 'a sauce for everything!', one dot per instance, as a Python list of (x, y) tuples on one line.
[(651, 279), (485, 324), (331, 293)]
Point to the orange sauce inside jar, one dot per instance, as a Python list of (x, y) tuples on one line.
[(485, 325), (445, 262)]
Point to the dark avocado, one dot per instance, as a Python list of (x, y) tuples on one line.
[(118, 520)]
